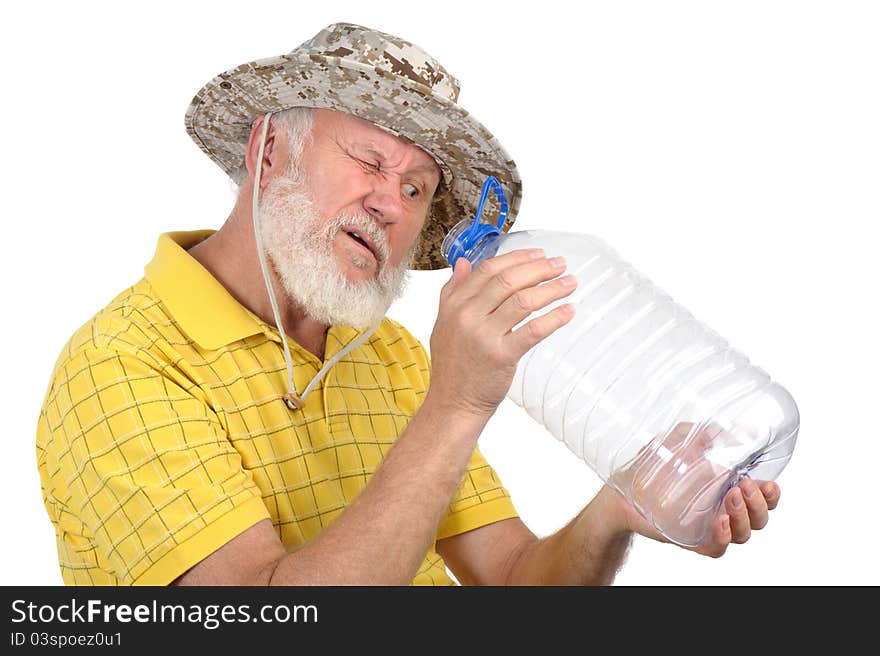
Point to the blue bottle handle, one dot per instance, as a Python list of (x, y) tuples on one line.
[(477, 231)]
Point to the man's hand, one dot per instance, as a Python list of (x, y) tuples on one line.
[(677, 481), (745, 509), (474, 349)]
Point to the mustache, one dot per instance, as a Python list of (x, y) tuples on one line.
[(366, 224), (291, 197)]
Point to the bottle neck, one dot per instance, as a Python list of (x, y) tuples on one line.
[(472, 239), (484, 249), (474, 242)]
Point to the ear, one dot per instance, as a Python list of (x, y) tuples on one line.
[(274, 152)]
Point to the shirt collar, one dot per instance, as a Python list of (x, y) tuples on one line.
[(203, 307)]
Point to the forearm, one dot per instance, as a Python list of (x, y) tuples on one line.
[(384, 534), (589, 550)]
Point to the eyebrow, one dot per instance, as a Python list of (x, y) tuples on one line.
[(427, 167), (430, 171)]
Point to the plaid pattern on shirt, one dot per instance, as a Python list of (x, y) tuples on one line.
[(163, 433)]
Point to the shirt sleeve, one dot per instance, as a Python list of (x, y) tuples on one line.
[(481, 499), (145, 464)]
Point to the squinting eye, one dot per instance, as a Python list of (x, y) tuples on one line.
[(410, 190), (369, 165)]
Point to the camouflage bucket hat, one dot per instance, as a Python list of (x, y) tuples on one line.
[(381, 79)]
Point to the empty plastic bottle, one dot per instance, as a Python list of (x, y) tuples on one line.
[(656, 403)]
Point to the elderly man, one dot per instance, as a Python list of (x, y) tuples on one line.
[(245, 414)]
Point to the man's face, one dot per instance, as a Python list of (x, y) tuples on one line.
[(342, 227), (356, 168)]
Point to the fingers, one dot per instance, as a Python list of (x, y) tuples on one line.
[(460, 271), (719, 538), (526, 336), (740, 525), (466, 333), (508, 288), (771, 494), (748, 508), (521, 304), (497, 279), (756, 504)]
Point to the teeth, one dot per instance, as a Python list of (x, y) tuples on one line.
[(358, 238)]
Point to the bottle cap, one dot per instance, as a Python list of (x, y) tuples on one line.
[(467, 234)]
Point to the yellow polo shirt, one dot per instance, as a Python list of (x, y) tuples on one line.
[(163, 433)]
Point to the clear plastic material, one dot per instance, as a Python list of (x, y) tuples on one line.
[(656, 403)]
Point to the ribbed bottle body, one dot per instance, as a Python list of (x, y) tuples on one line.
[(656, 403)]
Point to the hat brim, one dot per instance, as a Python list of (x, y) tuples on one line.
[(220, 117)]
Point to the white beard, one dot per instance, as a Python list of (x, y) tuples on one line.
[(299, 244)]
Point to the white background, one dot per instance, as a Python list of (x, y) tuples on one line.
[(730, 151)]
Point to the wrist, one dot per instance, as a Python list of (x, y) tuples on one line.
[(451, 404), (443, 423), (616, 513)]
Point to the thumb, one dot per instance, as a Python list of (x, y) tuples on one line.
[(459, 272)]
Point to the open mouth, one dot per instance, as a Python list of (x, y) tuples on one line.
[(362, 242)]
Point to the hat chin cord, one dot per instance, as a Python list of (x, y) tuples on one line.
[(293, 401)]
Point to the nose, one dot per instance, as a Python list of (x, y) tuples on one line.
[(383, 199)]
